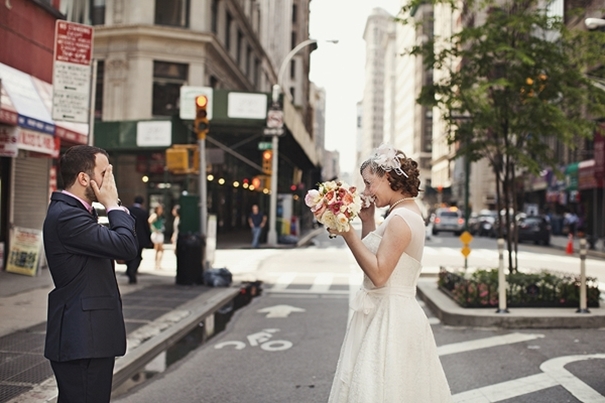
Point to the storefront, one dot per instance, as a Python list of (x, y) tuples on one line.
[(30, 144)]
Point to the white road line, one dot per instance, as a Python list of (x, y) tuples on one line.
[(506, 390), (322, 282), (486, 343), (554, 375), (283, 281), (555, 369)]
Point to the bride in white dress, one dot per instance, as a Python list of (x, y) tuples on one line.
[(389, 352)]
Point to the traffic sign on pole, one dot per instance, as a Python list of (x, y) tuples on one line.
[(72, 71)]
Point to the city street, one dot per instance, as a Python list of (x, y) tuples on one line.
[(283, 347)]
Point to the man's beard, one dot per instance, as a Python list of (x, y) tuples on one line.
[(90, 194)]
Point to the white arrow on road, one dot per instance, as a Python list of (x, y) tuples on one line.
[(280, 311)]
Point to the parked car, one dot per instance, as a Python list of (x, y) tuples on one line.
[(448, 219), (484, 224), (534, 228)]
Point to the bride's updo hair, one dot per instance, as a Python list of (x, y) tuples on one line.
[(402, 172)]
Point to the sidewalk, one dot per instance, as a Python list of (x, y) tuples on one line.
[(157, 313)]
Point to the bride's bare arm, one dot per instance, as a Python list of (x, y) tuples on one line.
[(368, 223), (379, 267)]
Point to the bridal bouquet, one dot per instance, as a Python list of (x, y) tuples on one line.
[(334, 204)]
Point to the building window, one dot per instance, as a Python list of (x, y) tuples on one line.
[(89, 12), (293, 69), (293, 40), (173, 13), (167, 81), (294, 13), (214, 17), (228, 32), (99, 90), (238, 50)]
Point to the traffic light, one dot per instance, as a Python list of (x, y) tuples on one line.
[(201, 124), (267, 161)]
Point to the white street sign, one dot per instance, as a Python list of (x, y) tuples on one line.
[(187, 101), (243, 105), (279, 311)]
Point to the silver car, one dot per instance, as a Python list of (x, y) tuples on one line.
[(448, 219)]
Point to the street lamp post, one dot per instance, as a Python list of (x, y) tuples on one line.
[(277, 90)]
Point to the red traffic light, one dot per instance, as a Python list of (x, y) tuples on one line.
[(201, 101)]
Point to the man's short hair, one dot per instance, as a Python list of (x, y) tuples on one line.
[(139, 200), (78, 159)]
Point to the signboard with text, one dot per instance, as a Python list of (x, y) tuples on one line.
[(72, 72), (24, 253)]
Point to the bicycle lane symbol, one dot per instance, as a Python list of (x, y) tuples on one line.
[(260, 339)]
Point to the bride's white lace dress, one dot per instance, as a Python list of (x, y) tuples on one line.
[(389, 352)]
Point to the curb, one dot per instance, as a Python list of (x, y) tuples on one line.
[(184, 318), (198, 308), (451, 314), (306, 239)]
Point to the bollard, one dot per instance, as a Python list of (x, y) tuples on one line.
[(501, 279), (583, 303)]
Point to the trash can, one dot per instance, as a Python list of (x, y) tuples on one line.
[(189, 257)]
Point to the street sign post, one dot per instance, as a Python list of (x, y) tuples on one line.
[(187, 102), (72, 72)]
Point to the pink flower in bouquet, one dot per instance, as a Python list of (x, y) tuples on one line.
[(334, 204)]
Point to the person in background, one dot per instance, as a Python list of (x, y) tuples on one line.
[(85, 329), (143, 237), (257, 221), (175, 225), (156, 222)]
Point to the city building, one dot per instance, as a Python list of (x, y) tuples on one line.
[(148, 51), (30, 139)]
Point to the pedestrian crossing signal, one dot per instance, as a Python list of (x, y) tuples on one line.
[(201, 124)]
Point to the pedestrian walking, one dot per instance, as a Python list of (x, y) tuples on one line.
[(389, 352), (156, 221), (176, 210), (85, 328), (141, 217), (257, 221)]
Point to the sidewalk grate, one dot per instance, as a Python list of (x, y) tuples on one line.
[(22, 361), (22, 365)]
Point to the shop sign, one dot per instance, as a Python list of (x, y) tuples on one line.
[(37, 142), (8, 141), (242, 105), (24, 253), (586, 176), (154, 133), (571, 176)]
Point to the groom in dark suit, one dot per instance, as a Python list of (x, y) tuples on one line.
[(85, 328)]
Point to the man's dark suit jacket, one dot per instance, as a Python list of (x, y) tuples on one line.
[(85, 309), (142, 225)]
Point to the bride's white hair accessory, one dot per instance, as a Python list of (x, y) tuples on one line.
[(389, 159)]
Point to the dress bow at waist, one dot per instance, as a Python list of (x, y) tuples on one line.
[(362, 303)]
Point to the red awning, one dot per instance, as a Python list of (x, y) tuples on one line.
[(26, 101)]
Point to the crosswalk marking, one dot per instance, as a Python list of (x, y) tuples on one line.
[(506, 390), (554, 374), (283, 281), (486, 343), (322, 283)]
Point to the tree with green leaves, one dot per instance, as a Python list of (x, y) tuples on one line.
[(512, 88)]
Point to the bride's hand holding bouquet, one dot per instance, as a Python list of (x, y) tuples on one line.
[(334, 204)]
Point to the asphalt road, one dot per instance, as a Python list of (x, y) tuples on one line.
[(283, 347)]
